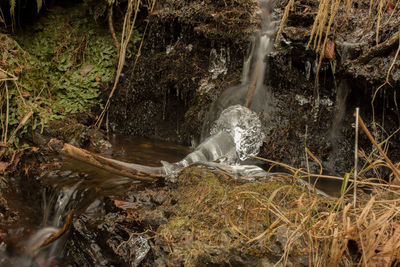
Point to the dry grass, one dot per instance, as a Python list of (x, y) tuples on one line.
[(215, 216), (327, 19)]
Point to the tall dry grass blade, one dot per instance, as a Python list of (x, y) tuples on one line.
[(356, 159), (378, 20), (383, 154), (127, 29), (315, 159), (348, 7), (335, 249), (345, 183), (7, 114), (365, 211), (285, 16), (306, 174)]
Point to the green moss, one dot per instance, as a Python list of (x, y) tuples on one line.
[(62, 62), (64, 45), (217, 212)]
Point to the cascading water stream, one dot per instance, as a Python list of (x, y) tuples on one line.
[(251, 92)]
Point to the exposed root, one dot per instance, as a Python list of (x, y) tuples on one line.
[(380, 49)]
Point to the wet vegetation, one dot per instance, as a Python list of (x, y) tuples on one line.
[(76, 71)]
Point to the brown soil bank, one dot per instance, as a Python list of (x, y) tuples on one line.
[(194, 50)]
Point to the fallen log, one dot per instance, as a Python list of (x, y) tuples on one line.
[(134, 171)]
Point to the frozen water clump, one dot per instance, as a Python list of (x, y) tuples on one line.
[(236, 134), (219, 145), (245, 128), (142, 247)]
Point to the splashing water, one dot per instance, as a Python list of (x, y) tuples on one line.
[(245, 128), (237, 134)]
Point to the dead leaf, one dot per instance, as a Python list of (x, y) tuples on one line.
[(3, 75), (387, 252), (125, 205), (85, 69), (3, 166), (329, 49), (25, 94), (391, 5)]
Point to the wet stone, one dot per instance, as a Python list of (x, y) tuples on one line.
[(159, 197), (74, 175), (154, 219), (64, 173)]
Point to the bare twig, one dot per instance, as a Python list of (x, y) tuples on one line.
[(58, 234), (387, 79), (111, 26), (109, 164), (127, 30), (379, 49), (20, 125)]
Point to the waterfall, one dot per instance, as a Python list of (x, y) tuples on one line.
[(254, 68)]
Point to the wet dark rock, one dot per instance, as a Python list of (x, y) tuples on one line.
[(83, 246), (69, 130), (154, 219), (106, 240), (159, 197), (65, 173), (193, 50), (188, 40), (97, 141), (296, 34)]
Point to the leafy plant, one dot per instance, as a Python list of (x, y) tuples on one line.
[(57, 72)]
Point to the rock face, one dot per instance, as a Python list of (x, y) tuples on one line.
[(194, 51), (346, 81)]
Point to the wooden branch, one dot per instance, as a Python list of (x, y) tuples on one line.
[(379, 49), (112, 31), (110, 165), (57, 235)]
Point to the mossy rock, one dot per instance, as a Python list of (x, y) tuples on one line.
[(214, 216)]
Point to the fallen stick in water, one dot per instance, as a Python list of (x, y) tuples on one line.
[(110, 165), (57, 235)]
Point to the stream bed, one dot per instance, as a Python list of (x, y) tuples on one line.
[(109, 210), (71, 184)]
